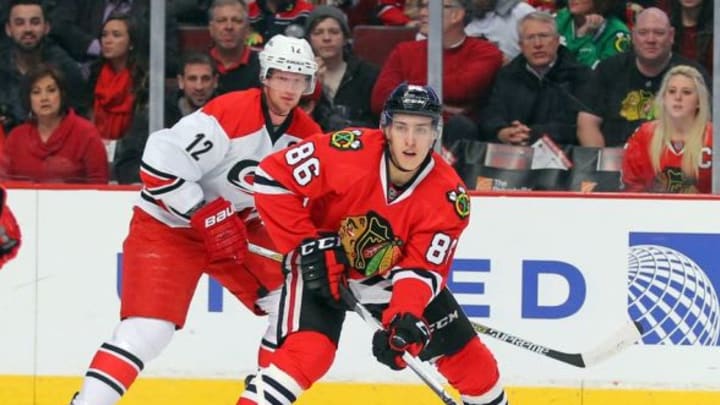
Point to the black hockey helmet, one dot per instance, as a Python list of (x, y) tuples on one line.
[(413, 99)]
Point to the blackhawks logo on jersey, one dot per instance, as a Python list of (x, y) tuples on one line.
[(672, 180), (460, 200), (346, 139), (370, 243)]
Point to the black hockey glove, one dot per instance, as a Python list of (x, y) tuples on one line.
[(7, 244), (322, 263), (405, 333)]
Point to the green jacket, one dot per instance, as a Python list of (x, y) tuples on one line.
[(612, 38)]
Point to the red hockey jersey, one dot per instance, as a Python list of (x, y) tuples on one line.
[(212, 153), (339, 183), (639, 175)]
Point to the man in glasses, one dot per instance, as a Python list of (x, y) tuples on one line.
[(537, 93)]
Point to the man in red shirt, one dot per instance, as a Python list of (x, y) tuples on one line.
[(237, 64), (469, 65)]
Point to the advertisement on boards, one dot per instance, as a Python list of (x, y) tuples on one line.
[(626, 287)]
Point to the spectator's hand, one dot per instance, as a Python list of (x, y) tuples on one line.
[(593, 22), (516, 134), (322, 68)]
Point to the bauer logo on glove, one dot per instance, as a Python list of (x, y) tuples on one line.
[(222, 230), (219, 217)]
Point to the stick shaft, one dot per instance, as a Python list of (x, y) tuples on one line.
[(414, 363)]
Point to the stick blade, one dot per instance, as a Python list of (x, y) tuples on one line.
[(626, 336)]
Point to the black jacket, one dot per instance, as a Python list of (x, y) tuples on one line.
[(351, 105), (12, 104), (76, 23), (548, 106)]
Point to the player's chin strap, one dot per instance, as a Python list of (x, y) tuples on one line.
[(414, 363)]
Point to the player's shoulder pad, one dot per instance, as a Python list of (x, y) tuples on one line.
[(350, 139), (225, 108), (452, 187), (460, 200)]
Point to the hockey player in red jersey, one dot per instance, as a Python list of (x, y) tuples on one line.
[(9, 231), (380, 209), (674, 153), (196, 213)]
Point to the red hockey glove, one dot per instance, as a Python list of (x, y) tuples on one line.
[(322, 263), (222, 230), (406, 333)]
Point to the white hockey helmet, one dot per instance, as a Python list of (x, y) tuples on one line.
[(289, 54)]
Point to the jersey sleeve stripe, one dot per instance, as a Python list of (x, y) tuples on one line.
[(429, 278), (264, 184), (146, 196), (165, 189), (155, 172)]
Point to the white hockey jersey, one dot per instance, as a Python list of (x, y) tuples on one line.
[(212, 153)]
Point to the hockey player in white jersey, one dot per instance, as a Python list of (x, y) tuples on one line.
[(196, 214)]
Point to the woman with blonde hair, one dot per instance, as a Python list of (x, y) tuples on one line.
[(673, 154)]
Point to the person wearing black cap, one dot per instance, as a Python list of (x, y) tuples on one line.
[(346, 80)]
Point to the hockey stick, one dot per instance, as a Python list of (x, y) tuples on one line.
[(414, 363), (627, 335)]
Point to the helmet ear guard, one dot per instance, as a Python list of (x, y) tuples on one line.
[(288, 54), (415, 100)]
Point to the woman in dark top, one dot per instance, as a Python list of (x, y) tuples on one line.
[(346, 81)]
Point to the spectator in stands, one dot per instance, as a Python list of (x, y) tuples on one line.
[(497, 21), (619, 97), (693, 23), (237, 64), (48, 5), (271, 17), (197, 83), (77, 24), (27, 47), (55, 144), (590, 32), (119, 81), (537, 93), (469, 68), (674, 153), (346, 80)]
